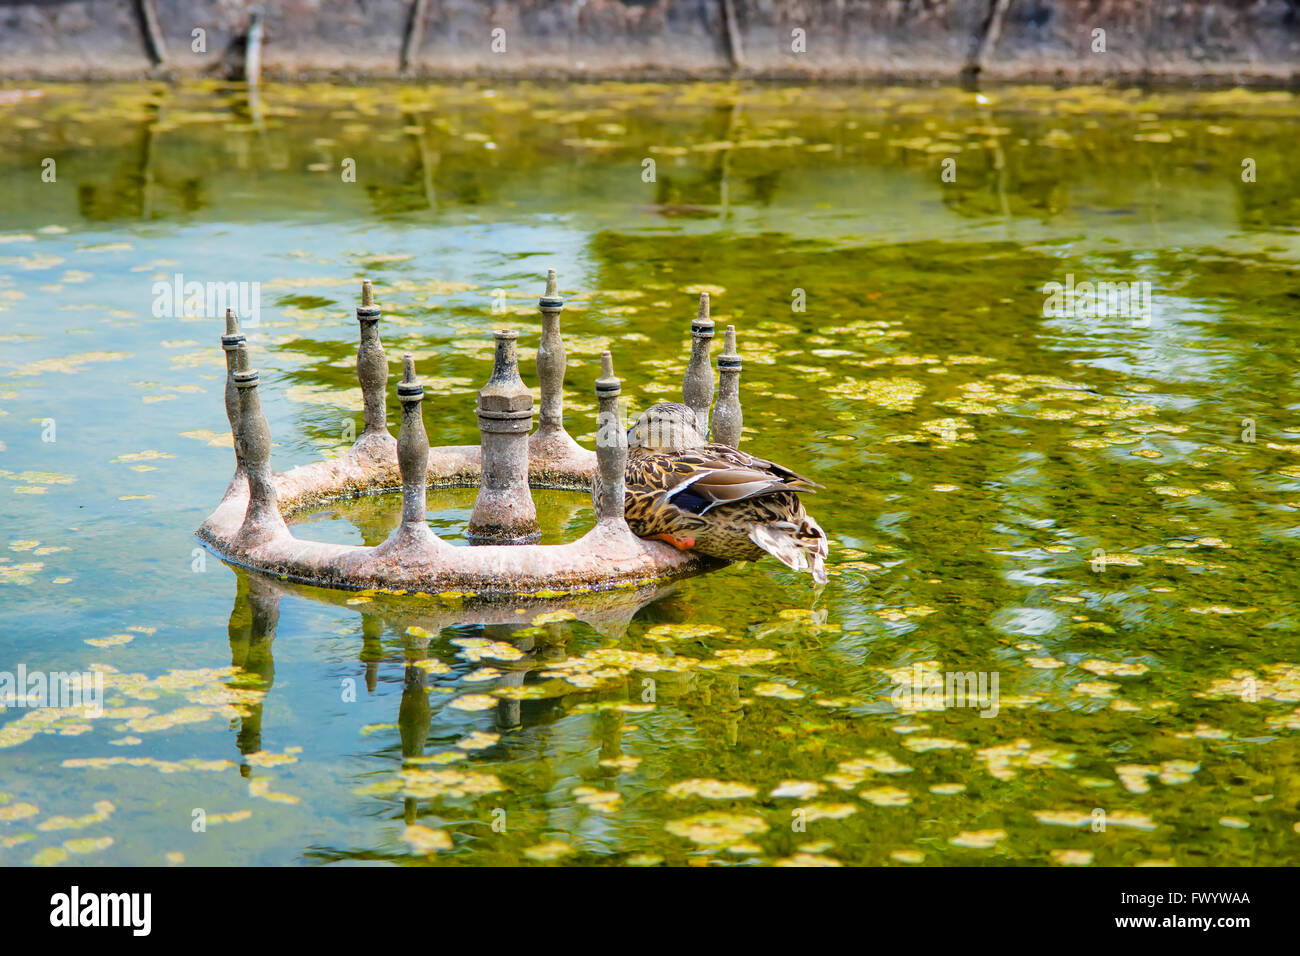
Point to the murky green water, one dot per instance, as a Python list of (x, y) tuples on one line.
[(1099, 510)]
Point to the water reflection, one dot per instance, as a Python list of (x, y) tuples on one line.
[(975, 454), (421, 624), (421, 151)]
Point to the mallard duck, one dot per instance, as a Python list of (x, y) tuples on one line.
[(711, 498)]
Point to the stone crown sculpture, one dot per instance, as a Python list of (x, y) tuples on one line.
[(248, 527)]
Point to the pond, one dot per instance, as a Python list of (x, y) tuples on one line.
[(1087, 505)]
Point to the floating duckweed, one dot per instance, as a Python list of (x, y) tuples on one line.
[(978, 839), (1128, 818), (17, 811), (426, 840), (1279, 682), (807, 860), (947, 789), (1063, 818), (114, 640), (717, 828), (711, 789), (602, 801), (1004, 760), (261, 787), (475, 649), (50, 856), (553, 617), (1112, 668), (853, 772), (682, 632), (925, 744), (88, 844), (234, 816), (548, 852), (886, 797), (474, 702), (621, 764), (1072, 857), (798, 789), (897, 394), (264, 758), (427, 784), (727, 657)]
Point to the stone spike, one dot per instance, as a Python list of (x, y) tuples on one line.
[(262, 520), (728, 420), (235, 345), (505, 359), (697, 384), (504, 512), (608, 489), (372, 364), (412, 452), (551, 362)]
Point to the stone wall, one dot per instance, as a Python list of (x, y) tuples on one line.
[(1056, 40)]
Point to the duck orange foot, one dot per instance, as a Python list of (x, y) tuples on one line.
[(681, 544)]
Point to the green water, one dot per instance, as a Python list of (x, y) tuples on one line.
[(1100, 511)]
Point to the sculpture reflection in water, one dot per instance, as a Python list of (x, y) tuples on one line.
[(421, 627)]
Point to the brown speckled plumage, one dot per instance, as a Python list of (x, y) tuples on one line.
[(715, 499)]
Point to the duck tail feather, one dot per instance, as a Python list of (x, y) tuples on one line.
[(778, 538)]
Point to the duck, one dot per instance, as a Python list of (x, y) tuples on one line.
[(716, 500)]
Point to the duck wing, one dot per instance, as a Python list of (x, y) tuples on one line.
[(703, 480), (794, 481)]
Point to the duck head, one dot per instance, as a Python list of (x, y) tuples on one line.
[(665, 427)]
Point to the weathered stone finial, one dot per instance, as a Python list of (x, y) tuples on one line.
[(412, 451), (372, 363), (611, 446), (504, 512), (728, 421), (230, 344), (550, 447), (697, 385), (253, 436), (550, 358)]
